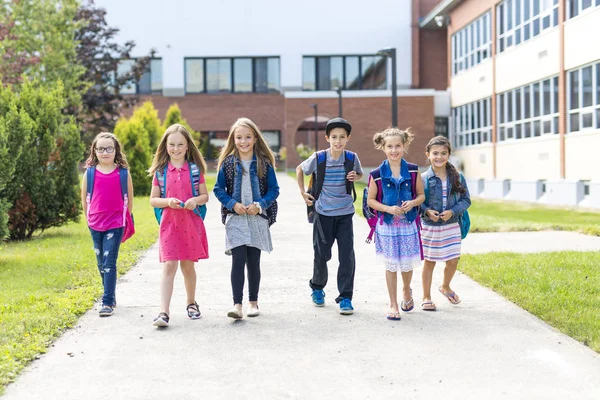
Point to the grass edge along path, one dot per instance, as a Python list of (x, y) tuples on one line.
[(47, 283), (560, 288)]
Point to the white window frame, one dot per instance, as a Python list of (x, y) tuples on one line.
[(547, 8), (579, 5), (466, 54), (551, 117), (466, 126), (594, 109)]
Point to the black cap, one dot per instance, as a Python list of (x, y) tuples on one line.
[(338, 123)]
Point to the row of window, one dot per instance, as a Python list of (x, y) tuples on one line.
[(344, 72), (516, 21), (262, 74), (583, 100), (472, 44), (472, 123)]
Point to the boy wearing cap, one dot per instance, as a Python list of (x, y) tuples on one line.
[(336, 170)]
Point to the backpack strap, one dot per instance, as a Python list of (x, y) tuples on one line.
[(123, 174), (375, 176), (414, 175), (349, 166), (90, 175), (161, 177), (318, 176), (194, 178)]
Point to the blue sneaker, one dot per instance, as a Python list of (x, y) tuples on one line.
[(318, 298), (346, 307)]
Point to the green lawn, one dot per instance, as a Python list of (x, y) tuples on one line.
[(51, 280), (561, 288)]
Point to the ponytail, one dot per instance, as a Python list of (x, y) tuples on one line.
[(454, 176)]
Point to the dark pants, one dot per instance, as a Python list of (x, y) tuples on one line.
[(243, 256), (106, 247), (328, 230)]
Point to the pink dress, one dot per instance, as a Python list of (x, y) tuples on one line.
[(182, 235)]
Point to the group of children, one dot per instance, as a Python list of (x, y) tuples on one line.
[(417, 216)]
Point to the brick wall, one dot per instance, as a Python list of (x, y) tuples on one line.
[(367, 116), (433, 60)]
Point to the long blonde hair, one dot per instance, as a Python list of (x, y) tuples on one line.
[(263, 152), (161, 157), (120, 158), (405, 135)]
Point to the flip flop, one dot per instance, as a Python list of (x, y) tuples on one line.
[(394, 316), (452, 297), (407, 306), (428, 306)]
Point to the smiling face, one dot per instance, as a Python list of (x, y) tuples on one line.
[(438, 156), (338, 139), (105, 151), (177, 147), (393, 148), (244, 141)]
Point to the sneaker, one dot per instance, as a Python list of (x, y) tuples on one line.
[(162, 321), (318, 298), (346, 307), (235, 313), (106, 311)]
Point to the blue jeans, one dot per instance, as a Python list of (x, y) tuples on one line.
[(106, 247)]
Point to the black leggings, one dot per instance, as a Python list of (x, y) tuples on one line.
[(243, 256)]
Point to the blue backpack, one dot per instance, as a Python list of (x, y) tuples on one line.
[(464, 221), (161, 177)]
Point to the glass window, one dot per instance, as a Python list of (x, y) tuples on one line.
[(156, 76), (547, 96), (555, 95), (352, 73), (261, 75), (274, 84), (536, 99), (574, 95), (124, 68), (218, 75), (309, 77), (598, 83), (373, 72), (527, 101), (242, 75), (337, 72), (273, 139), (194, 76), (586, 83), (518, 104), (324, 73)]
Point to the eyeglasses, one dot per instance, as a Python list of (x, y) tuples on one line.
[(101, 150)]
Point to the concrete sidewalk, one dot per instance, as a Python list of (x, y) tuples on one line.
[(486, 347)]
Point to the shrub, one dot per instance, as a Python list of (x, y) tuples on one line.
[(304, 151)]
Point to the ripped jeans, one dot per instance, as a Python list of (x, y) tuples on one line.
[(106, 247)]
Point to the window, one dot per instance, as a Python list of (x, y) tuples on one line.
[(532, 110), (472, 123), (575, 7), (520, 20), (583, 98), (232, 74), (150, 82), (472, 44), (347, 72)]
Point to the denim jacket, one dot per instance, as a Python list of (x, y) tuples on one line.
[(396, 191), (433, 200), (220, 189)]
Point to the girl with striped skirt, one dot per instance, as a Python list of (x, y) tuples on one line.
[(446, 198)]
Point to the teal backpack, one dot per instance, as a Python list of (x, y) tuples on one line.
[(464, 221), (161, 177)]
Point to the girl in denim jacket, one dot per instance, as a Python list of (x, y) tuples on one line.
[(447, 197), (247, 188), (397, 242)]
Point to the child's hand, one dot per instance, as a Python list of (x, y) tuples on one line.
[(190, 204), (174, 203), (407, 206), (239, 209), (446, 215), (308, 198), (434, 215), (352, 176), (252, 209), (394, 210)]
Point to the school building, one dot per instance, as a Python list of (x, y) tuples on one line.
[(287, 64), (524, 78)]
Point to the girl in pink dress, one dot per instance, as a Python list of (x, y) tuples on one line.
[(104, 210), (182, 237)]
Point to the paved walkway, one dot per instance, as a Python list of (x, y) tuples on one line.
[(484, 348)]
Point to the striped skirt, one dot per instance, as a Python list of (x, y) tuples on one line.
[(397, 245), (441, 242)]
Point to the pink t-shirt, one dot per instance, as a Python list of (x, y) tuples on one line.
[(106, 208)]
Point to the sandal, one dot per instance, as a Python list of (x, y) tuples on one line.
[(452, 297), (394, 316), (193, 311), (162, 321), (428, 306), (407, 306)]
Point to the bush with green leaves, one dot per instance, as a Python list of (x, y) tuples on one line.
[(136, 146), (39, 183), (304, 151), (174, 116)]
